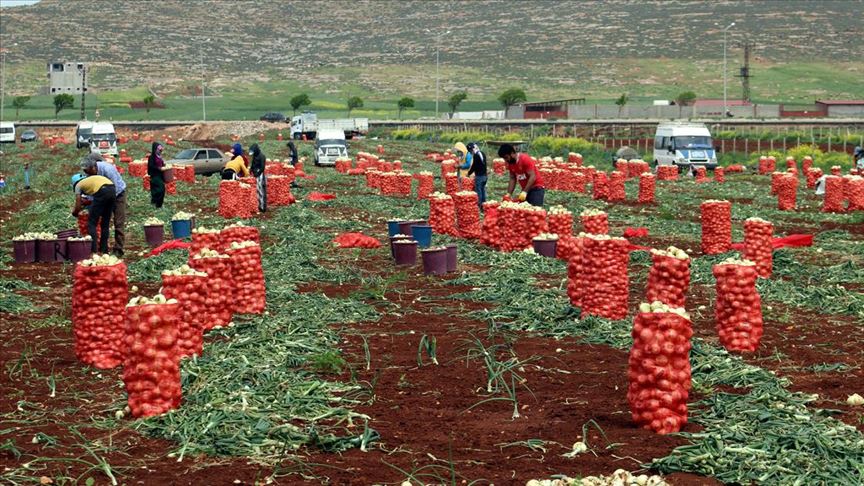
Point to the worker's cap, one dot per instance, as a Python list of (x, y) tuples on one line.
[(471, 146), (76, 179)]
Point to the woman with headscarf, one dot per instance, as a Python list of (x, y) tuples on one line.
[(237, 166), (464, 161), (237, 149), (258, 162), (157, 179)]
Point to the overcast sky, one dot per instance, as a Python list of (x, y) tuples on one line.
[(16, 3)]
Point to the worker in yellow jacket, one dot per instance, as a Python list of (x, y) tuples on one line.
[(236, 167)]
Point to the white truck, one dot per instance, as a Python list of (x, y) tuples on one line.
[(308, 124), (103, 139), (685, 145), (7, 132), (330, 145)]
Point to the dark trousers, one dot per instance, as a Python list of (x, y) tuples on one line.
[(120, 223), (536, 196), (157, 190), (100, 213), (228, 175), (480, 189)]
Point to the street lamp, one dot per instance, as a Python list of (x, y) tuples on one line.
[(437, 67), (3, 79), (203, 98), (725, 108)]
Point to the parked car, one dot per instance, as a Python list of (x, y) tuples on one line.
[(103, 139), (329, 146), (28, 136), (685, 145), (273, 116), (205, 160)]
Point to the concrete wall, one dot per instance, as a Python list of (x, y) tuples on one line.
[(650, 111), (478, 115), (845, 111)]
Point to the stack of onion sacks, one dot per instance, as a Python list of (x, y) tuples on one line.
[(758, 245), (595, 221), (834, 196), (787, 189), (238, 232), (189, 288), (489, 234), (561, 223), (151, 370), (812, 175), (606, 283), (518, 224), (442, 214), (237, 200), (616, 186), (247, 277), (425, 184), (499, 166), (99, 295), (719, 175), (601, 186), (403, 184), (738, 307), (659, 368), (219, 303), (667, 173), (669, 277), (701, 175), (647, 188), (575, 270), (855, 192), (467, 214), (279, 191), (451, 183), (203, 237), (716, 226), (388, 184)]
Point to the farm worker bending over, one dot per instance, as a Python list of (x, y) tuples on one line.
[(234, 168), (258, 161), (478, 168), (102, 190), (237, 150), (94, 165), (523, 169), (155, 164)]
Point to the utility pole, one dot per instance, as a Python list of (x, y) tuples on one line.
[(3, 53), (725, 107), (744, 73), (437, 67), (83, 90)]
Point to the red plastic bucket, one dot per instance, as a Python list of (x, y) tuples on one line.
[(451, 258), (154, 234), (434, 261), (78, 250), (546, 248), (168, 175), (405, 252), (24, 250)]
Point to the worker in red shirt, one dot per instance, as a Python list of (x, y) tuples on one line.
[(523, 170)]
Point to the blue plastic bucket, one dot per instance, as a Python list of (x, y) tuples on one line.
[(423, 234), (181, 228), (393, 227)]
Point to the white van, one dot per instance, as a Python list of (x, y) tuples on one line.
[(103, 139), (7, 132), (685, 145), (330, 145), (82, 134)]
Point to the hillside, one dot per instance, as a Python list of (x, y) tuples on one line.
[(383, 48)]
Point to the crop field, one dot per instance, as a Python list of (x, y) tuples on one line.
[(359, 371)]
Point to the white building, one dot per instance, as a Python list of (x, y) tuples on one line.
[(66, 77)]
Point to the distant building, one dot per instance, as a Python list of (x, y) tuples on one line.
[(66, 77), (543, 109), (841, 108), (719, 103)]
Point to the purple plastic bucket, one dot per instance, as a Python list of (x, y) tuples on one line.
[(405, 227), (405, 252), (154, 235), (451, 258), (44, 251), (60, 250), (78, 250), (25, 251), (546, 248), (434, 261), (393, 247)]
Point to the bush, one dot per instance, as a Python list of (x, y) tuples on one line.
[(559, 147)]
